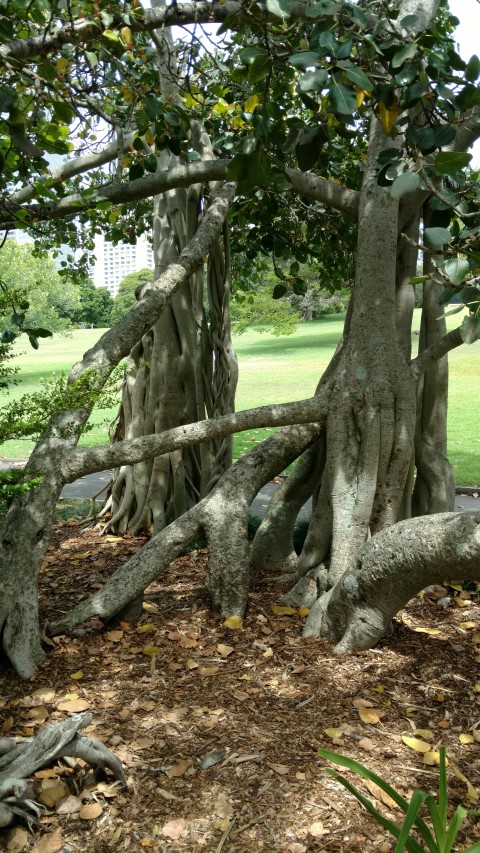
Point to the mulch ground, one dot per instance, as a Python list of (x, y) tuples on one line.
[(219, 728)]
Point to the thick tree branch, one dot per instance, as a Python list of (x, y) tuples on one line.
[(331, 195), (87, 460), (183, 13), (453, 339), (77, 166)]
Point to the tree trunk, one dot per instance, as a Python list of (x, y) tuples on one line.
[(185, 368)]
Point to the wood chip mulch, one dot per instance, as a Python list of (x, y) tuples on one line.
[(219, 728)]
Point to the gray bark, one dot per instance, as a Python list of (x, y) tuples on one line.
[(391, 568), (24, 531), (21, 757)]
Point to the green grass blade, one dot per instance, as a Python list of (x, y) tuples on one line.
[(442, 789), (365, 773), (454, 828), (475, 848), (411, 845), (439, 826), (416, 802)]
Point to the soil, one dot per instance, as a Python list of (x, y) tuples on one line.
[(219, 727)]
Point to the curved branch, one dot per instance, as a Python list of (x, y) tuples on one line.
[(87, 460), (197, 12), (75, 167), (332, 195), (453, 339)]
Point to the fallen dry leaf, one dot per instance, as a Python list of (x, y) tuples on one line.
[(51, 843), (150, 650), (223, 807), (416, 744), (317, 829), (380, 795), (371, 716), (72, 706), (90, 811), (114, 636), (233, 622), (17, 839), (367, 744), (175, 829), (69, 805), (281, 769), (52, 792), (177, 769), (224, 650), (283, 610), (334, 733)]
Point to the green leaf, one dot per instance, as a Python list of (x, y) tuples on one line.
[(313, 81), (8, 336), (40, 333), (470, 329), (448, 162), (356, 76), (324, 7), (151, 163), (135, 171), (435, 238), (260, 68), (33, 341), (279, 8), (457, 269), (278, 291), (309, 146), (248, 54), (408, 51), (92, 58), (343, 98), (305, 58), (111, 35), (473, 69), (416, 801), (406, 183)]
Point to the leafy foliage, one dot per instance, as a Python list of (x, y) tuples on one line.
[(125, 297), (439, 839)]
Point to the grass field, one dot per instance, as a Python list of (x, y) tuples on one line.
[(273, 370)]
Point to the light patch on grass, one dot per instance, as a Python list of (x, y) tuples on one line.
[(274, 370)]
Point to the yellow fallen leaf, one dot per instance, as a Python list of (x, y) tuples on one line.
[(233, 622), (476, 639), (432, 631), (192, 664), (333, 733), (461, 602), (455, 585), (77, 675), (303, 611), (150, 608), (416, 744), (283, 610), (433, 758), (439, 697), (150, 650), (426, 734), (466, 625), (369, 715), (477, 687), (379, 688), (472, 793), (147, 628), (466, 738)]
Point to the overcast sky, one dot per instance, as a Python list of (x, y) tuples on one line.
[(468, 36)]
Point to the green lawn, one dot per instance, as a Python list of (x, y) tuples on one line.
[(274, 370)]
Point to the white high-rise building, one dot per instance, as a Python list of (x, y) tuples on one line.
[(113, 263)]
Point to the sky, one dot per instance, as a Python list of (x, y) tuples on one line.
[(468, 36)]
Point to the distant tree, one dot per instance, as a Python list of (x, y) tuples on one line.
[(95, 306), (32, 278), (125, 298)]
